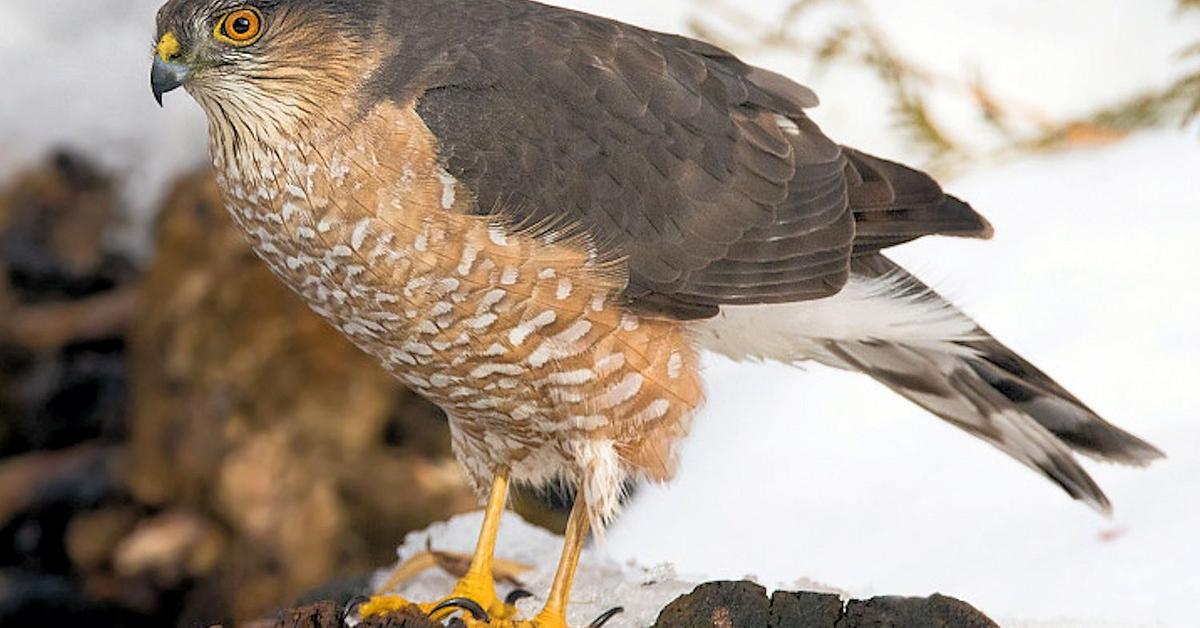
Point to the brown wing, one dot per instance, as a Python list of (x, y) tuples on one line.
[(703, 173)]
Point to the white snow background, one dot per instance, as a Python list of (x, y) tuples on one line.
[(826, 475)]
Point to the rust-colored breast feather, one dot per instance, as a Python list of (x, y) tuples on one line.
[(520, 337)]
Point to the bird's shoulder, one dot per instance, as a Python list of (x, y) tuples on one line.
[(702, 173)]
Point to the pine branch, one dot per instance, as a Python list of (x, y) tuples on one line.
[(857, 40)]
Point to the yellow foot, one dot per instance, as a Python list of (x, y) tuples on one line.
[(474, 597), (475, 592), (548, 618), (380, 605), (453, 563), (474, 615)]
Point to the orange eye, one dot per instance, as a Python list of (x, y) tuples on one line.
[(240, 28)]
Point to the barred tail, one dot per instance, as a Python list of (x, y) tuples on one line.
[(892, 327)]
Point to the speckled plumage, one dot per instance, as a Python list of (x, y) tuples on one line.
[(519, 338)]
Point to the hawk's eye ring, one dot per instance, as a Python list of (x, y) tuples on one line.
[(240, 28)]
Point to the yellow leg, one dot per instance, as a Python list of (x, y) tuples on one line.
[(554, 614), (478, 584)]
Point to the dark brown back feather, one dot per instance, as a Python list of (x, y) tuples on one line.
[(703, 173), (895, 204)]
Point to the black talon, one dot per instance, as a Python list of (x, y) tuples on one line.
[(471, 606), (352, 605), (516, 595), (605, 617)]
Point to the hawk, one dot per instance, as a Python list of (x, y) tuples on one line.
[(536, 218)]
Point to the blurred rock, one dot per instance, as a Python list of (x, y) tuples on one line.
[(329, 615), (53, 225), (38, 478), (65, 300), (92, 537), (250, 409), (40, 493), (55, 541), (169, 548)]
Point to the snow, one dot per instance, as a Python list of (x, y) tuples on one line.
[(823, 474), (76, 74), (600, 585)]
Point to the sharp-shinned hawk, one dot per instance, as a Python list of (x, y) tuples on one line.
[(536, 218)]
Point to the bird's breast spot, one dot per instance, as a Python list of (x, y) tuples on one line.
[(657, 409), (467, 261), (497, 235), (608, 364), (519, 334), (627, 389), (675, 365), (565, 288)]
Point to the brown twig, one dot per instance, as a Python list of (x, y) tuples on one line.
[(857, 39), (49, 326)]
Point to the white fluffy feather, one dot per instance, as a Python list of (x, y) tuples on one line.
[(885, 308)]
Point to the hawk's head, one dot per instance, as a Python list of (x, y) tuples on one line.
[(269, 58)]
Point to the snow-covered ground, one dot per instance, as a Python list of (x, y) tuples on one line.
[(822, 474), (601, 584)]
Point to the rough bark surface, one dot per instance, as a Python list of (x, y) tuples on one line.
[(745, 605), (330, 615)]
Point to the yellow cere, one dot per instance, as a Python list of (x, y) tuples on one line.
[(168, 47)]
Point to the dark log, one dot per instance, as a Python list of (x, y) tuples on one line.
[(329, 615), (936, 611), (745, 605)]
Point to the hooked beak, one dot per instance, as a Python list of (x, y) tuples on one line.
[(166, 76)]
